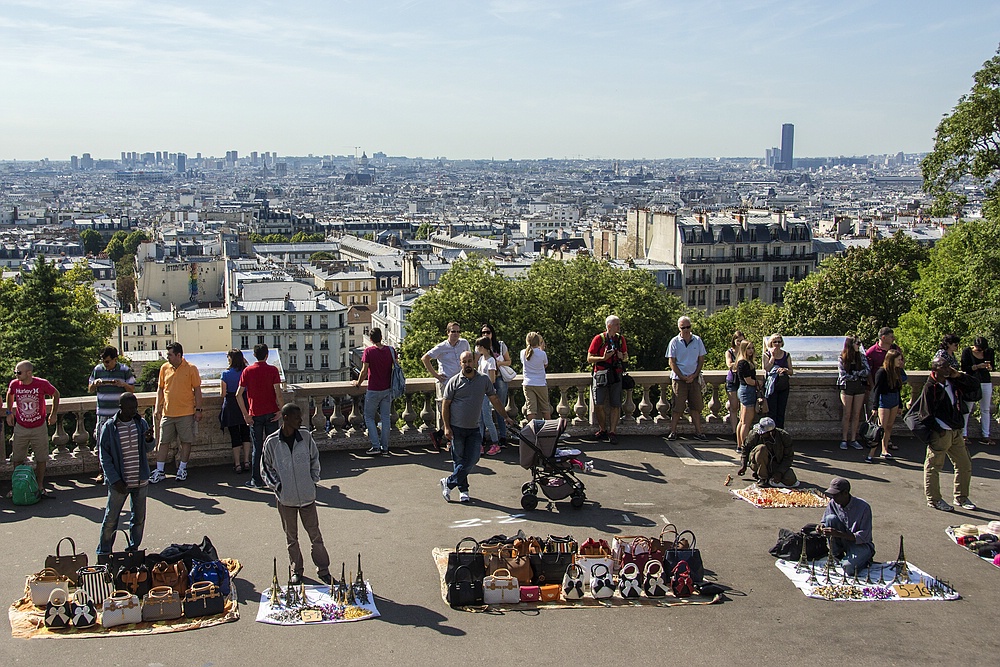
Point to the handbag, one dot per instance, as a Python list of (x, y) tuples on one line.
[(601, 584), (501, 588), (573, 584), (641, 553), (686, 551), (97, 582), (472, 559), (507, 373), (83, 609), (67, 565), (562, 545), (188, 553), (214, 571), (161, 603), (137, 580), (464, 591), (681, 584), (629, 586), (762, 406), (398, 379), (130, 557), (601, 378), (912, 420), (549, 567), (57, 609), (507, 558), (653, 584), (550, 592), (121, 608), (871, 431), (628, 382), (663, 541), (41, 584), (204, 599), (593, 552), (620, 546), (175, 576), (530, 594)]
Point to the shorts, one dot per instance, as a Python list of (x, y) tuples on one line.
[(854, 389), (888, 401), (610, 394), (687, 395), (732, 386), (747, 395), (178, 428), (536, 400), (37, 439)]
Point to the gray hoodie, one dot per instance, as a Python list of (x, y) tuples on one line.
[(291, 472)]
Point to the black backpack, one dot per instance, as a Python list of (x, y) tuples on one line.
[(789, 544)]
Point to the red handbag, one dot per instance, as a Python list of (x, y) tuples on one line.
[(641, 553)]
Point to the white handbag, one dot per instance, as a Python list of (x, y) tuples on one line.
[(601, 584), (507, 373), (121, 608), (501, 588), (41, 584), (573, 586), (629, 586), (653, 584), (588, 562)]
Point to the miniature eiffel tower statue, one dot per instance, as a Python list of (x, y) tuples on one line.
[(843, 576), (902, 570), (340, 587), (829, 559), (274, 592), (360, 589), (334, 585), (881, 574), (350, 593), (868, 574), (291, 595), (855, 581), (803, 563), (812, 580)]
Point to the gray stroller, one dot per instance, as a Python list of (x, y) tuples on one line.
[(551, 466)]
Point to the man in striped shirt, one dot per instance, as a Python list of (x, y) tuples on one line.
[(109, 380)]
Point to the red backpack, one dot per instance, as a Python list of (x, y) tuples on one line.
[(681, 582)]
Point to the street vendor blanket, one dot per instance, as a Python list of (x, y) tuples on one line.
[(318, 608), (950, 532), (767, 498), (878, 582)]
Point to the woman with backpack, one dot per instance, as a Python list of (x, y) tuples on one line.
[(777, 363), (852, 378)]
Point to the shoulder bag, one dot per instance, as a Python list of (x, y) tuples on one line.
[(214, 571), (175, 576), (507, 373), (573, 585), (629, 586), (601, 584), (470, 558), (912, 420), (871, 431), (161, 603), (84, 610), (398, 384), (41, 584), (67, 565), (501, 588), (682, 584), (130, 557), (530, 594), (204, 599), (550, 592), (549, 568), (508, 559), (137, 580), (121, 608), (687, 551), (653, 584), (57, 609), (97, 582), (562, 545), (464, 591)]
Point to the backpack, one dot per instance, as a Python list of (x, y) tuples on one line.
[(398, 386), (24, 485), (682, 584)]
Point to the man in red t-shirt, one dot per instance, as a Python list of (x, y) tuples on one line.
[(608, 351), (28, 393), (376, 365), (261, 383)]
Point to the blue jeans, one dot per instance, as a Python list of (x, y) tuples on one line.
[(486, 420), (137, 522), (852, 556), (380, 403), (502, 389), (263, 426), (466, 446)]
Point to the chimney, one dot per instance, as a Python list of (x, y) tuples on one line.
[(703, 219)]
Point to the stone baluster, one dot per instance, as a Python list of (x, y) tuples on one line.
[(645, 406), (393, 419), (357, 418), (317, 418), (916, 386), (511, 407), (628, 407), (428, 413), (337, 421), (662, 406), (714, 406), (563, 409), (60, 438), (581, 408), (80, 436), (409, 415)]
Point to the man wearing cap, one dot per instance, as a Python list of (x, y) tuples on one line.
[(768, 452), (848, 523)]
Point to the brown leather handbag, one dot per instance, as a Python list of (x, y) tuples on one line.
[(509, 559), (173, 575)]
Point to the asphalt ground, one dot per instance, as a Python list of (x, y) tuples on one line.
[(391, 510)]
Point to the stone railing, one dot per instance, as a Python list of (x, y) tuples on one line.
[(335, 413)]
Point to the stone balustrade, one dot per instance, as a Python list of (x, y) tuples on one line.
[(335, 413)]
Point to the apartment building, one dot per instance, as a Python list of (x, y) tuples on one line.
[(200, 330)]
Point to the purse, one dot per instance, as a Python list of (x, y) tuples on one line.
[(601, 585), (464, 590), (83, 609), (507, 373), (641, 553), (41, 584), (161, 603), (549, 567), (97, 582), (653, 584), (561, 545), (687, 551), (593, 552), (573, 585), (508, 559), (472, 559), (550, 592), (681, 584), (661, 543), (629, 585), (204, 599), (121, 608), (214, 571), (67, 565), (620, 546), (871, 432), (129, 558), (57, 609), (175, 576), (530, 594), (501, 588), (601, 378), (762, 406), (137, 580)]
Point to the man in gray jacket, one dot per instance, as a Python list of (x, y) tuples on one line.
[(290, 468)]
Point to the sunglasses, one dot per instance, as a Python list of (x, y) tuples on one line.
[(686, 327), (18, 372), (454, 331)]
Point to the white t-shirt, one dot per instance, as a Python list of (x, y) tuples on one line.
[(487, 364), (534, 368)]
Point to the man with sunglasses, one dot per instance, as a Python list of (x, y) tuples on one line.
[(686, 354), (26, 412), (448, 354)]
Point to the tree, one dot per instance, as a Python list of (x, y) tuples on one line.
[(132, 241), (92, 241), (149, 376), (856, 293), (967, 143), (303, 237), (115, 249), (322, 255), (424, 231), (52, 320), (755, 319)]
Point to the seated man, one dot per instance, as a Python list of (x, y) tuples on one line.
[(847, 522), (769, 453)]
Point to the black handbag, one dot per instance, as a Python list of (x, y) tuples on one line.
[(67, 565), (203, 599), (471, 559), (464, 591), (189, 553), (690, 553), (871, 432), (549, 567), (129, 558), (789, 544), (135, 580)]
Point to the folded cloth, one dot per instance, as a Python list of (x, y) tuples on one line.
[(568, 452)]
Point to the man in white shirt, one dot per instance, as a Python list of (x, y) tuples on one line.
[(686, 354), (448, 354)]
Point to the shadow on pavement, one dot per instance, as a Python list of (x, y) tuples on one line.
[(414, 615)]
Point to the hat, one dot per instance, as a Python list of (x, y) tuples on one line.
[(993, 528), (967, 530), (765, 425), (837, 485)]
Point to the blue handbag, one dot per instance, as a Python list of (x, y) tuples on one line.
[(212, 571)]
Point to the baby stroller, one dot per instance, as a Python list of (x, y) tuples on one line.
[(551, 467)]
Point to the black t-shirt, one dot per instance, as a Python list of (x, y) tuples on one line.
[(969, 360), (744, 370)]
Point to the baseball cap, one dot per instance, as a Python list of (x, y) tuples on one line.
[(837, 485), (766, 424)]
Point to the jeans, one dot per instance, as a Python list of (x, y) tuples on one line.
[(263, 426), (852, 556), (502, 390), (380, 403), (137, 522), (985, 404), (486, 420), (466, 444), (776, 404)]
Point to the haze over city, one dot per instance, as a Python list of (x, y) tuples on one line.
[(494, 79)]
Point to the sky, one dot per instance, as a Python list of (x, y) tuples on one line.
[(627, 79)]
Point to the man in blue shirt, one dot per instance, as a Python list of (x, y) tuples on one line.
[(848, 523)]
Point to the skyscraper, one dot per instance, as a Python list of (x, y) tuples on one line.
[(787, 138)]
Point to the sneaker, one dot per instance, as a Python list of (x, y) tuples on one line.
[(856, 445), (385, 452), (182, 474), (325, 578), (672, 435), (374, 451), (493, 450), (445, 491), (940, 505), (157, 476), (464, 497), (700, 436), (888, 458), (965, 504), (843, 444), (613, 438), (601, 435), (869, 459), (253, 485)]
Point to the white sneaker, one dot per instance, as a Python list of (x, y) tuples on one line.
[(464, 497), (156, 477), (182, 474), (445, 491)]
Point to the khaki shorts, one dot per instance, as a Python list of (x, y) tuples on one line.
[(37, 439), (178, 428), (687, 395), (536, 400)]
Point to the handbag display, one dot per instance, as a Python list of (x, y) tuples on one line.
[(83, 609), (214, 571), (629, 584), (530, 594), (681, 583), (121, 608), (97, 582), (573, 585), (653, 584), (57, 609), (161, 603), (173, 575), (501, 587), (549, 567), (464, 590), (508, 559), (129, 558), (67, 565), (550, 592), (469, 557), (41, 584), (686, 550), (601, 584), (137, 580), (204, 599)]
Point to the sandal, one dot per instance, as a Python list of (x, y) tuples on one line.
[(238, 468)]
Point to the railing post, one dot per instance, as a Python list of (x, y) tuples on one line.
[(580, 408), (645, 407), (662, 406), (713, 404)]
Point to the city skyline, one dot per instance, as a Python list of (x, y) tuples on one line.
[(503, 79)]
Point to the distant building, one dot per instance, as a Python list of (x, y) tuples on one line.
[(391, 316), (787, 139), (199, 330)]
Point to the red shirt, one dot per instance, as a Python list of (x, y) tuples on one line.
[(599, 347), (29, 400), (379, 367), (259, 380)]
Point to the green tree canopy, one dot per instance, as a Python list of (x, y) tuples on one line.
[(52, 320), (149, 376), (967, 144), (92, 241), (423, 231), (303, 237), (132, 241), (755, 319), (322, 255), (116, 249)]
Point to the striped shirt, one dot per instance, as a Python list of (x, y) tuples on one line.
[(128, 434), (108, 395)]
